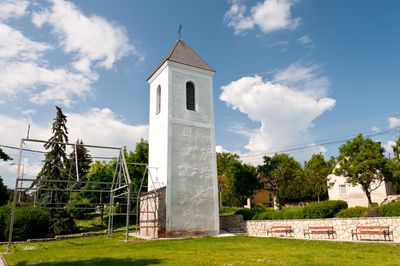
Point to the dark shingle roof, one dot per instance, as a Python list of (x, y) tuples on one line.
[(183, 54)]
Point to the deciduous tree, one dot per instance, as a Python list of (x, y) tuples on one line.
[(316, 172), (283, 175), (362, 162), (238, 181)]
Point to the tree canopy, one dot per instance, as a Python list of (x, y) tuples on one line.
[(4, 156), (362, 162), (316, 171), (55, 162), (237, 180)]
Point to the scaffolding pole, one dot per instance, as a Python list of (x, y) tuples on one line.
[(10, 232)]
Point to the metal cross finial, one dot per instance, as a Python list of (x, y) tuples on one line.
[(179, 31)]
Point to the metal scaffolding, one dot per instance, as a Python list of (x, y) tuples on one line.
[(119, 188)]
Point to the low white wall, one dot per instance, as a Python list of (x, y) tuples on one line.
[(342, 226)]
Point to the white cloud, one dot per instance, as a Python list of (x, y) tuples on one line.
[(13, 8), (219, 148), (389, 146), (285, 107), (41, 84), (269, 16), (306, 40), (96, 127), (92, 39), (104, 127), (394, 122), (14, 45), (375, 129)]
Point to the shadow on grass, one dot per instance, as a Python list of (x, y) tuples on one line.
[(98, 261)]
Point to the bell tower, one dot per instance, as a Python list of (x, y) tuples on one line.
[(182, 142)]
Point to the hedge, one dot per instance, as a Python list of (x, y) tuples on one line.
[(353, 212), (324, 209), (248, 214), (391, 209), (29, 222)]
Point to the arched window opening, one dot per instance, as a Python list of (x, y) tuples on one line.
[(190, 96), (158, 104)]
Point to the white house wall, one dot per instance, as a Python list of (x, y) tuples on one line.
[(354, 195)]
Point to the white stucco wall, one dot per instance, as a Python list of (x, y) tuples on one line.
[(354, 195), (158, 130), (182, 148)]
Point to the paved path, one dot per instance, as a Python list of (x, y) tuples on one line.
[(2, 260)]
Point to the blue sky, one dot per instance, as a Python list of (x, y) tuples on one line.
[(290, 73)]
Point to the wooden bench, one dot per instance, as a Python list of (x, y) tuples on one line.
[(372, 230), (282, 230), (320, 230)]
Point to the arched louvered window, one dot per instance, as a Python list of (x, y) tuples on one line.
[(158, 107), (190, 96)]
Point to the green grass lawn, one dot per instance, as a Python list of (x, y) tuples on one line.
[(201, 251)]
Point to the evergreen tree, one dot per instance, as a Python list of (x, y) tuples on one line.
[(4, 156), (3, 193), (83, 158), (54, 167)]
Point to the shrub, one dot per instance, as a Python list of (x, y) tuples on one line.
[(78, 208), (293, 213), (29, 222), (226, 211), (374, 212), (324, 209), (259, 207), (4, 217), (62, 223), (265, 215), (288, 213), (353, 212), (391, 209), (247, 213)]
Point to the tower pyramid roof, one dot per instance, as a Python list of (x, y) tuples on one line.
[(184, 54)]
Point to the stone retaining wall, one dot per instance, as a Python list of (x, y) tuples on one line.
[(342, 226), (231, 223)]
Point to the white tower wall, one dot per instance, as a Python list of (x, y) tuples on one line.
[(182, 149), (158, 131)]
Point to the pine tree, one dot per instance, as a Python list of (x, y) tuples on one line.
[(4, 156), (84, 161), (54, 167)]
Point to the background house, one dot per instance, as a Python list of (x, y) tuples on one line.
[(263, 196), (354, 195)]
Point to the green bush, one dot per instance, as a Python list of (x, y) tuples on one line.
[(4, 217), (259, 207), (62, 223), (391, 209), (29, 222), (293, 213), (265, 215), (324, 209), (288, 213), (226, 211), (78, 208), (247, 213), (353, 212)]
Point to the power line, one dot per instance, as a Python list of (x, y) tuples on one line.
[(306, 146)]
